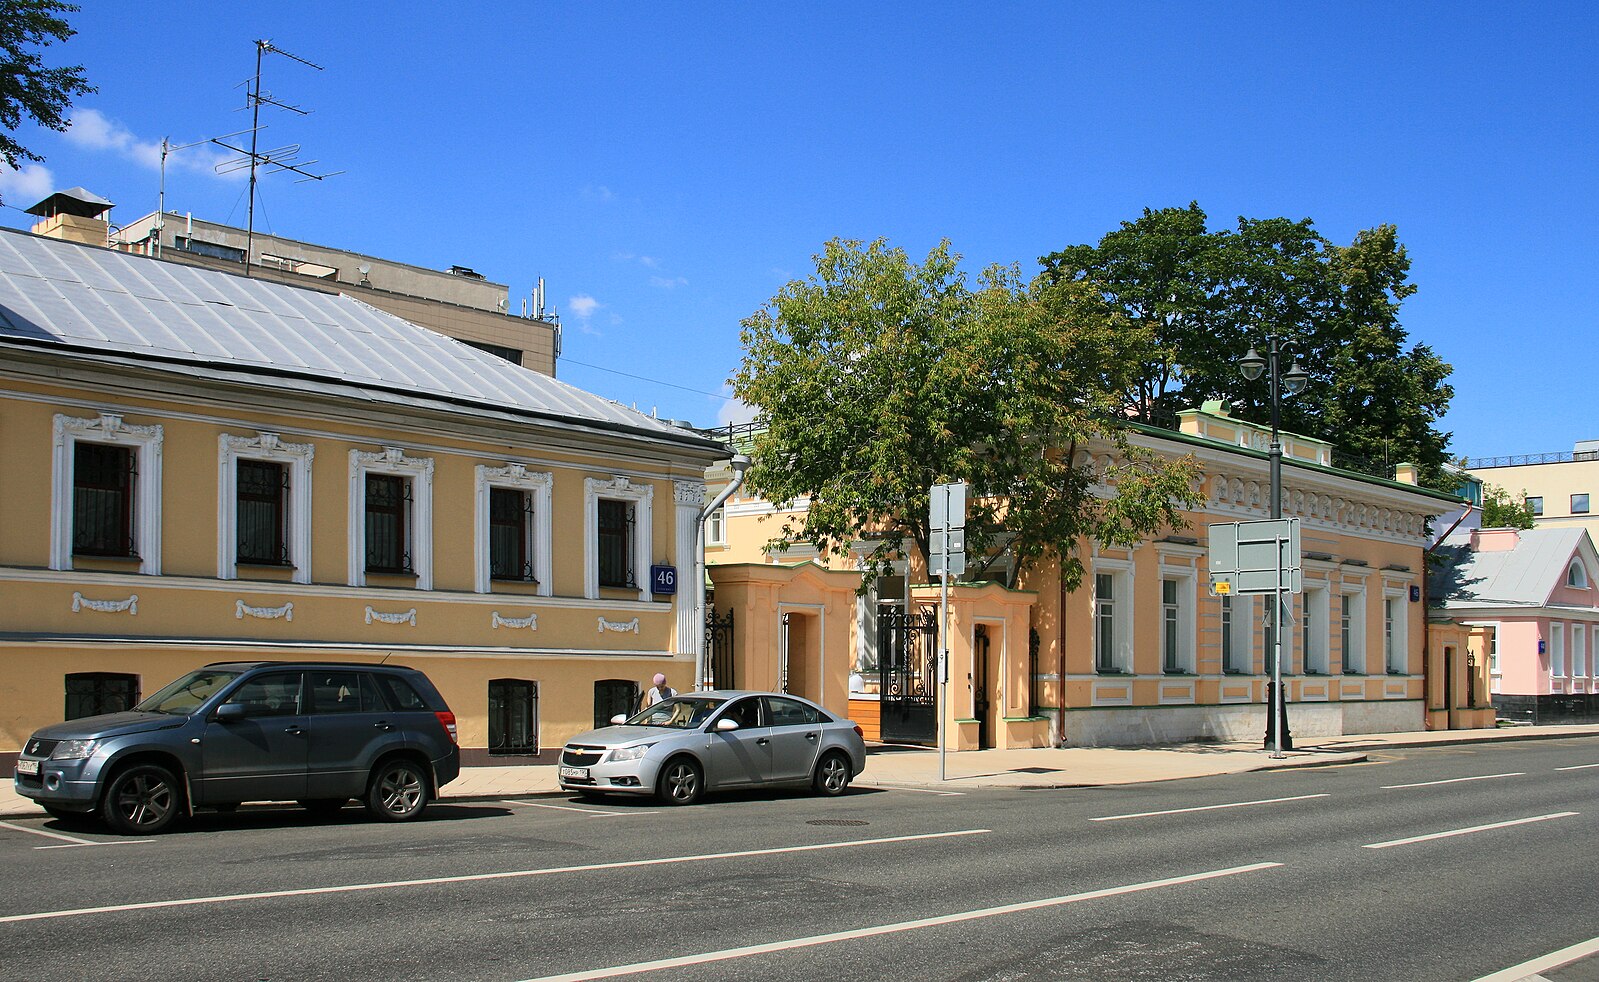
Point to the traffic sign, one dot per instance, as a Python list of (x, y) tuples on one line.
[(1255, 557), (947, 506)]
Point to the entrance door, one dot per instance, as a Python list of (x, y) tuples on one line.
[(980, 693), (513, 717), (908, 661), (263, 756)]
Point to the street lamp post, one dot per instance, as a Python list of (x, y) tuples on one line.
[(1292, 383)]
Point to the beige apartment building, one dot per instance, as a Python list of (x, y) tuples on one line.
[(1562, 489), (197, 467), (459, 302)]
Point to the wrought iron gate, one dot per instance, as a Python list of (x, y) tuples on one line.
[(980, 694), (908, 660), (719, 650)]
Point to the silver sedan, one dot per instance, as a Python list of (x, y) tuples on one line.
[(689, 744)]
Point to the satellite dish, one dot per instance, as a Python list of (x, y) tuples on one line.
[(364, 269)]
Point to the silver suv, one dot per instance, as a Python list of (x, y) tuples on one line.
[(317, 733)]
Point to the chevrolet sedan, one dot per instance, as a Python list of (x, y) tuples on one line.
[(684, 746)]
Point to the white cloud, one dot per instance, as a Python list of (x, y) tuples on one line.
[(650, 261), (583, 307), (33, 182), (735, 411), (668, 282), (599, 192), (91, 129)]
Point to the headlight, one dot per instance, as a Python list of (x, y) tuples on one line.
[(630, 753), (73, 750)]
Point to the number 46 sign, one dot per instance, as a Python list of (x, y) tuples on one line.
[(663, 580)]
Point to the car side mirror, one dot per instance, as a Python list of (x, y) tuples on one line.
[(228, 712), (618, 719), (727, 724)]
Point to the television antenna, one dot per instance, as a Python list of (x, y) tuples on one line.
[(285, 158), (167, 149)]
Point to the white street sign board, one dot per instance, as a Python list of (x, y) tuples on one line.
[(957, 564), (947, 508), (1249, 557), (953, 540)]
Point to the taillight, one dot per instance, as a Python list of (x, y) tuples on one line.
[(860, 732), (447, 720)]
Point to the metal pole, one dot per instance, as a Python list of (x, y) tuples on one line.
[(1278, 696), (943, 658)]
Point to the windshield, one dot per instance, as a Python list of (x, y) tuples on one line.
[(677, 713), (183, 696)]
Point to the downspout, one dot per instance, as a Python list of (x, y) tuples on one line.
[(1426, 634), (740, 464)]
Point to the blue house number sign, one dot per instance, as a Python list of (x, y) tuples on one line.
[(663, 580)]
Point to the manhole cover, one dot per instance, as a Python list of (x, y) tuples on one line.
[(1035, 770), (836, 821)]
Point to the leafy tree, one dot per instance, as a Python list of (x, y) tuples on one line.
[(1210, 295), (877, 377), (27, 86), (1501, 511)]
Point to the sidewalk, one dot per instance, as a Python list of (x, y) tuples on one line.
[(1071, 767)]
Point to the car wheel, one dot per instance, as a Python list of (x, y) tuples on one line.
[(682, 782), (398, 791), (142, 800), (323, 807), (832, 775)]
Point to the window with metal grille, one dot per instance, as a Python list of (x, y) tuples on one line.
[(388, 520), (614, 697), (513, 716), (93, 693), (262, 490), (102, 499), (510, 519), (615, 543)]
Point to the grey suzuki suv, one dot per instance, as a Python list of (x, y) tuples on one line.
[(317, 733)]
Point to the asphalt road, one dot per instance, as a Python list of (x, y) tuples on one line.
[(1326, 874)]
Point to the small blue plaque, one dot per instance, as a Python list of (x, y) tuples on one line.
[(663, 580)]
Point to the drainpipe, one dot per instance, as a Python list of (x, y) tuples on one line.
[(740, 463), (1426, 635)]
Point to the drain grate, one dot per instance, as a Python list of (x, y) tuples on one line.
[(836, 821)]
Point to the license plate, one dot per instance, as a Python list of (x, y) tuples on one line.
[(579, 773), (30, 767)]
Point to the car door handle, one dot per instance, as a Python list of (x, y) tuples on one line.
[(811, 737), (294, 730), (386, 727), (762, 742)]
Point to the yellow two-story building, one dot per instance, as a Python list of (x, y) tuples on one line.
[(197, 466)]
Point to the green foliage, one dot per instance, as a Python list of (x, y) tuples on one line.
[(27, 86), (878, 377), (1207, 296), (1501, 511)]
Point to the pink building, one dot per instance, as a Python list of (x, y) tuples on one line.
[(1534, 589)]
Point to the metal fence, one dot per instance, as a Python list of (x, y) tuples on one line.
[(1521, 460)]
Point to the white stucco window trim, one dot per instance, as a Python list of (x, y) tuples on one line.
[(642, 497), (108, 428), (1316, 607), (297, 522), (1187, 582), (1123, 601), (392, 460), (1240, 628), (1400, 595), (517, 477)]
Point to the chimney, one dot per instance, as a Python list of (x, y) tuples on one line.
[(1494, 540), (1405, 473), (76, 215)]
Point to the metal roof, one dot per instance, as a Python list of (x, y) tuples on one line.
[(95, 204), (1523, 576), (86, 297)]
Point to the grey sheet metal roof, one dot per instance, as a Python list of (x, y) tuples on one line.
[(1524, 576), (86, 297)]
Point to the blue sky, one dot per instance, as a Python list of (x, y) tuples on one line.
[(666, 167)]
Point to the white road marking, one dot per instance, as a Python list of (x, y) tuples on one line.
[(570, 808), (1453, 780), (1474, 828), (482, 877), (1206, 808), (80, 845), (892, 787), (53, 835), (1579, 767), (1544, 963), (866, 932)]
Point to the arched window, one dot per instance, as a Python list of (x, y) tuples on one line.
[(1577, 575)]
